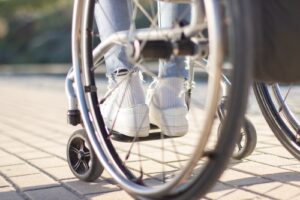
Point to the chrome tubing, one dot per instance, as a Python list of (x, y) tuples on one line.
[(70, 92)]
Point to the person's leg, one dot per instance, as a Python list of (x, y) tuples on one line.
[(173, 15), (124, 111), (112, 16), (167, 108)]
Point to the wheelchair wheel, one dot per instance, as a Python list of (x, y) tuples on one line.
[(168, 167), (82, 160), (279, 106), (246, 141), (247, 138)]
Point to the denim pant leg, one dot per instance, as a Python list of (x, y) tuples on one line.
[(169, 15), (112, 16)]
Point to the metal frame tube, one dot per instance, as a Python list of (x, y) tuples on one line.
[(70, 92), (143, 34)]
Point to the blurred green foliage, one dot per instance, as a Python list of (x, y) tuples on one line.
[(35, 31), (39, 31)]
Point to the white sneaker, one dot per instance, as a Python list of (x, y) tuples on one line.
[(125, 111), (167, 109)]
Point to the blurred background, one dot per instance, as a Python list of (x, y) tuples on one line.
[(34, 31), (35, 35)]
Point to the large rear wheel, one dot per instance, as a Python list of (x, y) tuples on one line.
[(161, 167)]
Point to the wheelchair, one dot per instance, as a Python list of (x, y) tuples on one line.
[(218, 47)]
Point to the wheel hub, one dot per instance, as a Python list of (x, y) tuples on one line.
[(80, 155)]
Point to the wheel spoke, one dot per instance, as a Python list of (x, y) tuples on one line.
[(73, 149), (143, 10), (285, 97), (82, 145), (120, 104), (85, 165), (76, 166), (87, 154)]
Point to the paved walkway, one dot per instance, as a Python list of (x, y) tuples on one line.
[(33, 135)]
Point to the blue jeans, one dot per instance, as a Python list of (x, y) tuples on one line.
[(114, 15)]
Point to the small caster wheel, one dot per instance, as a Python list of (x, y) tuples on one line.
[(246, 141), (82, 160)]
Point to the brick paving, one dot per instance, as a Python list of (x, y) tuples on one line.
[(34, 133)]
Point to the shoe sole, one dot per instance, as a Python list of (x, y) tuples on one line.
[(172, 122), (136, 123)]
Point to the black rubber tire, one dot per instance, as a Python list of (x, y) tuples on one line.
[(275, 121), (95, 168), (250, 141)]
